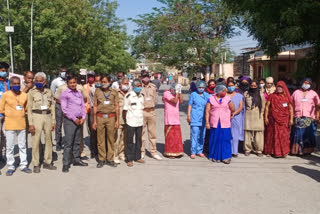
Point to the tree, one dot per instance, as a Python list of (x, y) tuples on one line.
[(275, 24), (184, 33), (71, 33)]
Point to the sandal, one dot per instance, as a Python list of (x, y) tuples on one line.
[(26, 170), (201, 155), (193, 156), (10, 172), (228, 161)]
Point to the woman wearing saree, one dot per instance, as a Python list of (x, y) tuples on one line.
[(279, 118), (306, 116), (173, 139)]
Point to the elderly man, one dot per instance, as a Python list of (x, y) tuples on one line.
[(4, 86), (41, 116), (105, 120), (13, 105), (149, 92), (28, 81), (133, 114), (121, 132)]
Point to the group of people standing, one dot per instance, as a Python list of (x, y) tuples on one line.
[(262, 115)]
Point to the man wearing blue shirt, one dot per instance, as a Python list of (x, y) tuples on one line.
[(196, 110), (4, 86)]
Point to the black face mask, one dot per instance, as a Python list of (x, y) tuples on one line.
[(252, 90), (244, 86)]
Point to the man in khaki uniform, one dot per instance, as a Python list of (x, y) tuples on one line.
[(121, 132), (41, 116), (149, 91), (106, 118)]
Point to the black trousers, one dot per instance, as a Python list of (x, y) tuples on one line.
[(72, 141), (59, 120), (92, 134), (133, 150)]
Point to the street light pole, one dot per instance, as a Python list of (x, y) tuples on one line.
[(10, 39), (31, 36)]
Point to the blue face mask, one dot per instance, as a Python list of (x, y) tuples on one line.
[(16, 87), (137, 89), (39, 85), (63, 75), (98, 85), (3, 74), (200, 90), (231, 88)]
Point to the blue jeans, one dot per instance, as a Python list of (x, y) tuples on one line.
[(198, 134)]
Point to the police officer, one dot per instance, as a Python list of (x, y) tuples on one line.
[(121, 132), (149, 92), (41, 116), (106, 119)]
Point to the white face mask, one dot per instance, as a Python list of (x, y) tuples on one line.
[(125, 87), (305, 86)]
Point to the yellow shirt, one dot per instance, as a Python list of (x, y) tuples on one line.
[(14, 108)]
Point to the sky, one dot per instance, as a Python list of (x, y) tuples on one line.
[(132, 8)]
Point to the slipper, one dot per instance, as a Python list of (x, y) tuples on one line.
[(193, 156), (10, 172), (26, 170), (201, 155)]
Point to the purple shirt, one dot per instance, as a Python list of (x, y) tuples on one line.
[(72, 104)]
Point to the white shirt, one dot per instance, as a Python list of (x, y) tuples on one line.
[(133, 104), (56, 83)]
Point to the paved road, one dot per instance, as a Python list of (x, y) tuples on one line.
[(248, 185)]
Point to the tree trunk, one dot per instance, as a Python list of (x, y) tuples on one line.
[(213, 65)]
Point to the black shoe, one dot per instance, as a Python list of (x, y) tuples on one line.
[(36, 169), (49, 166), (111, 163), (100, 164), (84, 158), (80, 163), (65, 168), (58, 147)]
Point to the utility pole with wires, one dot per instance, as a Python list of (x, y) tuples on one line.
[(31, 36), (10, 29)]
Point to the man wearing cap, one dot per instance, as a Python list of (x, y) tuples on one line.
[(106, 120), (121, 132), (41, 116), (149, 92), (4, 86), (56, 83)]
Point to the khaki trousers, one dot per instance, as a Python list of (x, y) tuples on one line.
[(119, 147), (149, 123), (103, 125), (255, 138), (42, 122)]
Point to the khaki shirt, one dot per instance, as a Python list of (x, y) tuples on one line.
[(150, 95), (106, 101), (121, 103), (65, 86), (36, 99), (133, 104)]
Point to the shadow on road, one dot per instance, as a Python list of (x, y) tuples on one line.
[(312, 173)]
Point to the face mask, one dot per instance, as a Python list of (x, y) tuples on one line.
[(97, 85), (305, 86), (137, 89), (212, 87), (244, 86), (124, 87), (16, 87), (63, 75), (38, 85), (200, 90), (231, 88), (146, 79), (105, 85), (91, 80), (261, 85), (222, 94), (279, 90), (3, 74)]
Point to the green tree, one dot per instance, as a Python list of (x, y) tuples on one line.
[(71, 33), (184, 33), (275, 24)]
